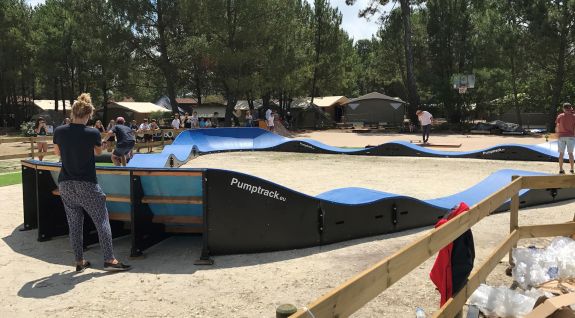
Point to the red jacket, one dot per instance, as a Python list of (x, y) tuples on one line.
[(455, 261)]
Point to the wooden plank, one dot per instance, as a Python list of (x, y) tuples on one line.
[(357, 291), (172, 200), (177, 219), (15, 139), (27, 164), (24, 155), (109, 197), (176, 173), (549, 182), (181, 229), (437, 145), (477, 276), (114, 216), (47, 168), (547, 230), (117, 172), (514, 216)]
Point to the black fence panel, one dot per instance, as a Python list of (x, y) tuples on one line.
[(247, 214)]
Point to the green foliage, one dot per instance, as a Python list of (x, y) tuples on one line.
[(521, 52), (27, 128)]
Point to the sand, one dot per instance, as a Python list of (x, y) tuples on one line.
[(38, 278)]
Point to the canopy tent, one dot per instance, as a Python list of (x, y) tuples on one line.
[(375, 108), (45, 108), (133, 110)]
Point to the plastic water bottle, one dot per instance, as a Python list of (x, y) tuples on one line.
[(419, 312)]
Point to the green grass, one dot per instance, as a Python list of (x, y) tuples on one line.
[(104, 164), (10, 179)]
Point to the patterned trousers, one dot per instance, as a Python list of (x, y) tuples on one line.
[(80, 196)]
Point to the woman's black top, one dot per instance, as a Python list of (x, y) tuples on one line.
[(76, 143)]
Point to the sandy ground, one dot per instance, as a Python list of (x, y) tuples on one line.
[(38, 278)]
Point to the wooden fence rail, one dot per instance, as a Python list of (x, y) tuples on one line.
[(359, 290), (33, 140)]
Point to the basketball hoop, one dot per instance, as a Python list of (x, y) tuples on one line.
[(462, 89)]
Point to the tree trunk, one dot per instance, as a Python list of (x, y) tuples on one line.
[(411, 83), (559, 79), (514, 87), (318, 13), (56, 95), (198, 87), (63, 98), (231, 104), (104, 102), (165, 63)]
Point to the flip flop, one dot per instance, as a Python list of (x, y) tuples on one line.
[(83, 266)]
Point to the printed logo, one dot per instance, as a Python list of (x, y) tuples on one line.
[(257, 189), (493, 151), (306, 145)]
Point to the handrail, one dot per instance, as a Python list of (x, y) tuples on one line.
[(363, 287)]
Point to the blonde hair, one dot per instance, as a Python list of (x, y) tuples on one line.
[(82, 107)]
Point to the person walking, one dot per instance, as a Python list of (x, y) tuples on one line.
[(425, 119), (565, 129), (77, 146)]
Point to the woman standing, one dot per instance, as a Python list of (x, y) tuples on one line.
[(40, 131), (249, 119), (77, 146), (98, 125)]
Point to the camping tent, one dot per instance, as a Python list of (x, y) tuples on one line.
[(332, 105), (375, 108), (307, 115)]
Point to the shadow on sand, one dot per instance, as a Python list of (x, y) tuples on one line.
[(175, 255), (55, 284)]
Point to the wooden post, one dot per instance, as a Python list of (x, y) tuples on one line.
[(162, 133), (32, 147), (513, 220), (285, 310)]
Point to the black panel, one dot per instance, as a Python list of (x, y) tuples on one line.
[(145, 233), (29, 196), (51, 215), (541, 196), (247, 214), (344, 222), (413, 214)]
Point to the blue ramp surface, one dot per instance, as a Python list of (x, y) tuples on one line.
[(265, 216), (240, 213), (194, 142)]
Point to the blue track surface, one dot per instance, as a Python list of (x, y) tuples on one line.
[(191, 143), (471, 196)]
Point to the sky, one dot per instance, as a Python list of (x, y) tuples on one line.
[(357, 28)]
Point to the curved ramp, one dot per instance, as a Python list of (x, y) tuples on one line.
[(194, 142), (248, 214), (239, 213)]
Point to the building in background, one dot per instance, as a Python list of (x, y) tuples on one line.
[(375, 108)]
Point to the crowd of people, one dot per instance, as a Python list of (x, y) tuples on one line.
[(148, 130)]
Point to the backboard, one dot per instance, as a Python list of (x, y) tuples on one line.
[(463, 80)]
